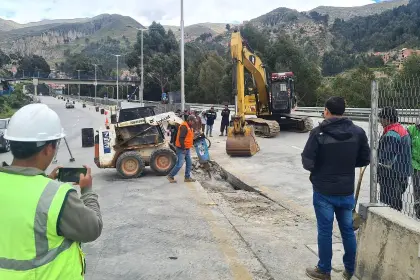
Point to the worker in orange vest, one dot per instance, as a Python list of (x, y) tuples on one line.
[(184, 142)]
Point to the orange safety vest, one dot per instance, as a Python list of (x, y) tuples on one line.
[(188, 139)]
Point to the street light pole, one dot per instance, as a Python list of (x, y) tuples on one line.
[(142, 72), (78, 75), (118, 75), (182, 58), (96, 83)]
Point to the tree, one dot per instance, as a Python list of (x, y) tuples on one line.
[(163, 68), (33, 63), (4, 59), (210, 73)]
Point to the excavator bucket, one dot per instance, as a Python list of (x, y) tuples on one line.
[(241, 143)]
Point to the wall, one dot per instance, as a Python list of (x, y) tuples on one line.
[(388, 246)]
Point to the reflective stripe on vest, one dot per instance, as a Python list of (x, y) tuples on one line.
[(43, 255)]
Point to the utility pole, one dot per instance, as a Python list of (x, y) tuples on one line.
[(142, 72), (118, 75), (78, 75), (182, 58), (141, 89), (96, 83)]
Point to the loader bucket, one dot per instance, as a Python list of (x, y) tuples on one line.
[(241, 144)]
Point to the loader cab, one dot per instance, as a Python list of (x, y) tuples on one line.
[(152, 135), (282, 92)]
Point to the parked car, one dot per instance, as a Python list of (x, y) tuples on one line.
[(69, 105), (4, 144)]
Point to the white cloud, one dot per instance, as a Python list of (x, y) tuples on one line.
[(163, 11)]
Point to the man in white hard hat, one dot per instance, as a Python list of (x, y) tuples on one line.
[(43, 222)]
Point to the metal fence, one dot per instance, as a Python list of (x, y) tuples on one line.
[(395, 145)]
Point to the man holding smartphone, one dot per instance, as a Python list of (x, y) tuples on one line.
[(43, 221)]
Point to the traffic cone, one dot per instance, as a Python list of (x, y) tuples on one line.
[(106, 122)]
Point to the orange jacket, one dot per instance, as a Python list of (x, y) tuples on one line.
[(184, 138)]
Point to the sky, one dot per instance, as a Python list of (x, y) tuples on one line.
[(163, 11)]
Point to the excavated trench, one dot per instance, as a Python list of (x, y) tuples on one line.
[(224, 187)]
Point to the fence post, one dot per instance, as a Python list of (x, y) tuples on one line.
[(373, 130)]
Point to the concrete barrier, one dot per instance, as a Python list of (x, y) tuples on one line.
[(388, 246)]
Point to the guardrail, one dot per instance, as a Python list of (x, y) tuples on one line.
[(362, 114)]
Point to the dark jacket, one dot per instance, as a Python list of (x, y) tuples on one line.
[(333, 151), (394, 152), (225, 116), (211, 116)]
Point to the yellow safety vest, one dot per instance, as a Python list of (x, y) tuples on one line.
[(30, 247)]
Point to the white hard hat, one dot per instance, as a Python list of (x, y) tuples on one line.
[(34, 123)]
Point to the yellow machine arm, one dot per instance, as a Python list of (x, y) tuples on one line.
[(244, 58)]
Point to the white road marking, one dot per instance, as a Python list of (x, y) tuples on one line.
[(297, 148)]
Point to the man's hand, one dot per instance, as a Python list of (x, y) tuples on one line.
[(85, 181), (54, 174)]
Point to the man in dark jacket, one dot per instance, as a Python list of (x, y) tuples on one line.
[(333, 151), (210, 117), (225, 120), (394, 159)]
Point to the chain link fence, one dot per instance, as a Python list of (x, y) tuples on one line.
[(395, 144)]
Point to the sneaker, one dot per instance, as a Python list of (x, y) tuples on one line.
[(317, 274), (347, 275), (171, 179), (221, 134), (189, 180)]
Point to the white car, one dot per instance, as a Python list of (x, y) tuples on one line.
[(69, 105)]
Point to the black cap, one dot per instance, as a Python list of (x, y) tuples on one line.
[(389, 113)]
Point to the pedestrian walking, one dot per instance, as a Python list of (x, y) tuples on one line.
[(225, 120), (43, 221), (333, 151), (414, 131), (210, 117), (203, 122), (394, 157), (183, 143)]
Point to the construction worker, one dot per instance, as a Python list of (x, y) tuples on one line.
[(43, 221), (184, 142)]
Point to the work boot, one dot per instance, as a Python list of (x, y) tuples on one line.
[(189, 180), (317, 274), (347, 275), (171, 179)]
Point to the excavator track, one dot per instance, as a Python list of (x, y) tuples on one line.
[(295, 123), (264, 128)]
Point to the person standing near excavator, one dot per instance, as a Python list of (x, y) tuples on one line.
[(184, 143)]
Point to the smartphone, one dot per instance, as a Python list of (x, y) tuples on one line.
[(70, 174)]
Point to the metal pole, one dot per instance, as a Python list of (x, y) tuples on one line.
[(182, 58), (373, 129), (96, 83), (78, 74), (142, 72)]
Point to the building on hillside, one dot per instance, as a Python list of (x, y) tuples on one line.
[(386, 56), (404, 53)]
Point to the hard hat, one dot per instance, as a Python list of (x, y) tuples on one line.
[(34, 123)]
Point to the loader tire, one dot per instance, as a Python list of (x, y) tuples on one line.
[(162, 161), (130, 165)]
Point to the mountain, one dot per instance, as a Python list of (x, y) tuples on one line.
[(52, 38), (347, 13), (195, 30), (6, 25)]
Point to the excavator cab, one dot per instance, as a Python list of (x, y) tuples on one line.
[(282, 93)]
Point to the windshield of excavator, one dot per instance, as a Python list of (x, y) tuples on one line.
[(280, 92)]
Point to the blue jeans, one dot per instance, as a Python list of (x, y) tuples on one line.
[(181, 156), (325, 207), (209, 129)]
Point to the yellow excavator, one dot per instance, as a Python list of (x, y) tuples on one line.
[(271, 100)]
